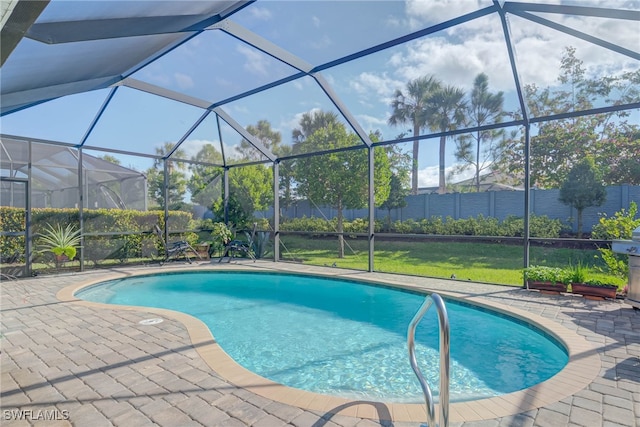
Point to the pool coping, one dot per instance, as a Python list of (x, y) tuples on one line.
[(582, 368)]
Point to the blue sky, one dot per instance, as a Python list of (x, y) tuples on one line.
[(214, 66)]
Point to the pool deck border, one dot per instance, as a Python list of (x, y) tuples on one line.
[(583, 367)]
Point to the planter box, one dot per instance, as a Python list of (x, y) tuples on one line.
[(548, 287), (598, 292)]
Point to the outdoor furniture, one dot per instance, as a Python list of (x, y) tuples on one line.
[(239, 246), (175, 250)]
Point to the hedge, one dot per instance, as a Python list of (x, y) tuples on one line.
[(539, 226), (97, 248)]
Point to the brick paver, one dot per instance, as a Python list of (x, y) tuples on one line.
[(95, 366)]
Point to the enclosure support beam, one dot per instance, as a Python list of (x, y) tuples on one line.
[(527, 195), (28, 237), (372, 205), (81, 207), (527, 126), (276, 211), (226, 194), (165, 195)]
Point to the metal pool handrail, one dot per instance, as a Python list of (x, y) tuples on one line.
[(443, 321)]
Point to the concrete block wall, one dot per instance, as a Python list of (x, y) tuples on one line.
[(498, 204)]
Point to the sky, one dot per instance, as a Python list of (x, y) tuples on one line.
[(214, 66)]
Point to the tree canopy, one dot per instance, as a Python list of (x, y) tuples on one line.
[(340, 179), (609, 138), (583, 188), (480, 148), (412, 107), (205, 182), (177, 178)]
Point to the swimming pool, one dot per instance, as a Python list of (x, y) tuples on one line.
[(345, 338)]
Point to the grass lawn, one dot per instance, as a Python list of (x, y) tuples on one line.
[(478, 262)]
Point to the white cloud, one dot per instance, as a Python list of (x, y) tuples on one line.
[(459, 53), (455, 62), (294, 121), (255, 61), (423, 13), (184, 81), (322, 42), (260, 13), (155, 74), (429, 176), (371, 123), (380, 86), (315, 21)]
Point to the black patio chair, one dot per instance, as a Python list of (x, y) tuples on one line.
[(175, 250), (235, 247), (6, 271)]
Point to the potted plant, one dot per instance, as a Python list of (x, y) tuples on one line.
[(221, 236), (546, 279), (62, 242), (577, 273), (594, 289)]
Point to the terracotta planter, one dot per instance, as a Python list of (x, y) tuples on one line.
[(597, 292), (548, 287), (202, 250), (61, 259)]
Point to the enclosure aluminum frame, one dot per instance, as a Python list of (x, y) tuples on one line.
[(63, 32)]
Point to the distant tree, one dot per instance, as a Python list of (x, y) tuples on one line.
[(252, 188), (265, 135), (237, 216), (177, 178), (286, 177), (339, 179), (309, 123), (618, 151), (397, 197), (483, 108), (609, 138), (205, 183), (111, 159), (446, 109), (177, 188), (411, 108), (583, 188), (399, 182)]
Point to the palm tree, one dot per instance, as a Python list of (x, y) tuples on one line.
[(310, 122), (484, 108), (412, 108), (264, 134), (446, 111)]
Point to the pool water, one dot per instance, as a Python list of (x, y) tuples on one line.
[(345, 338)]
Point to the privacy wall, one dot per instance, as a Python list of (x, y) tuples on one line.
[(498, 204)]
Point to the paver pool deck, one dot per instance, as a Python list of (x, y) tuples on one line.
[(70, 362)]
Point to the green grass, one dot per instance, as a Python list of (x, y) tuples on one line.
[(475, 261)]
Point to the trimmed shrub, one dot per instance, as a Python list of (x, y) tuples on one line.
[(540, 226)]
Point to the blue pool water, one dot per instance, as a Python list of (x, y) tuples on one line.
[(345, 338)]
